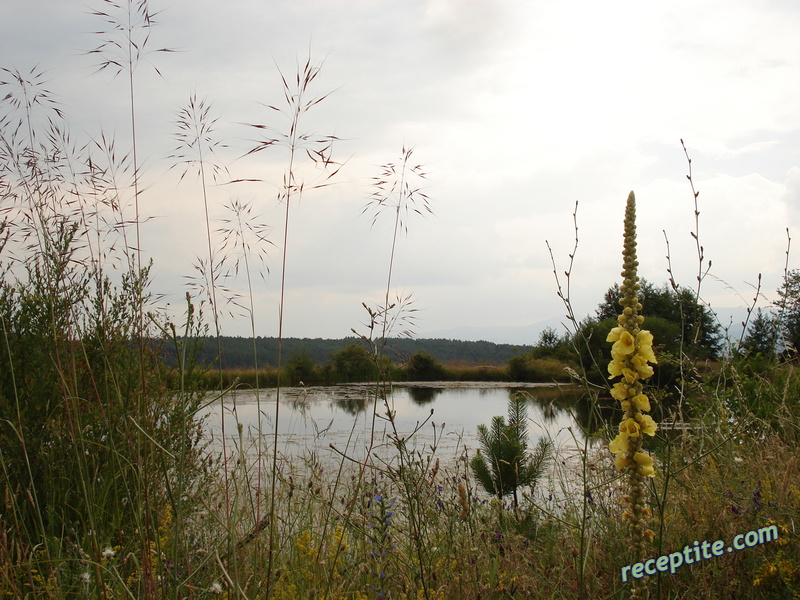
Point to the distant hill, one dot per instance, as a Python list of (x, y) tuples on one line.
[(527, 335), (237, 352)]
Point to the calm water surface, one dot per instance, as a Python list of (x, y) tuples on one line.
[(444, 415)]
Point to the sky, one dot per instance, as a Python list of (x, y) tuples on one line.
[(518, 111)]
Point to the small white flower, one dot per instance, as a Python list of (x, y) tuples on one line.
[(216, 588), (85, 578), (108, 553)]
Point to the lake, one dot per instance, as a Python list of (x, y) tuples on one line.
[(440, 414)]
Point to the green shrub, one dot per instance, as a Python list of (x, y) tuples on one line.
[(423, 367), (352, 363)]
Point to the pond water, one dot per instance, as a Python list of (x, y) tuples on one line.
[(330, 420)]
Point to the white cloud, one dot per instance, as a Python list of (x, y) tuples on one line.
[(517, 109)]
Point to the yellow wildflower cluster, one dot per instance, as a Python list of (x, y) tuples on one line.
[(310, 570), (631, 359), (631, 356)]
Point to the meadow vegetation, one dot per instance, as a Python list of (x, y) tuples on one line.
[(111, 489)]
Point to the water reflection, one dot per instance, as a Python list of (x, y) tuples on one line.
[(586, 409), (423, 395), (314, 418), (353, 403)]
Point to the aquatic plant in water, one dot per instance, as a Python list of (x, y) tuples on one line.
[(631, 355)]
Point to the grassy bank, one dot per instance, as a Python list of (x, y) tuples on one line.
[(419, 526)]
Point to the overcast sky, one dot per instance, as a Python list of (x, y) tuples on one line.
[(517, 110)]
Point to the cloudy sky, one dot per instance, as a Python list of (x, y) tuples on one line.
[(517, 110)]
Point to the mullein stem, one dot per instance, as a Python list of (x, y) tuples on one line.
[(631, 353)]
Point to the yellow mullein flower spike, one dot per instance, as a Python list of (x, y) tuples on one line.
[(631, 358)]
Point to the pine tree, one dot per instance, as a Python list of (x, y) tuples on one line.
[(789, 310), (504, 446), (762, 335)]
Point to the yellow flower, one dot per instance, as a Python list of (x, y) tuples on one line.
[(630, 375), (614, 334), (641, 402), (621, 461), (644, 341), (620, 391), (625, 345), (617, 356), (615, 368), (619, 444), (645, 462), (629, 427), (647, 424), (646, 352), (642, 368)]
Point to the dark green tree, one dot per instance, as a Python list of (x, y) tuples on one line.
[(762, 335), (300, 368), (593, 348), (553, 345), (702, 337), (549, 340), (353, 363), (789, 311), (503, 463), (424, 367), (594, 354)]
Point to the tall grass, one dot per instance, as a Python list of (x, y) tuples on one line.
[(302, 147), (94, 454), (196, 144), (397, 189)]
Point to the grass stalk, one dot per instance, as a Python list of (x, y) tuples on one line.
[(397, 188), (318, 149)]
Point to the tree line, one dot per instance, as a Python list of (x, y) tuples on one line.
[(237, 352), (682, 325)]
